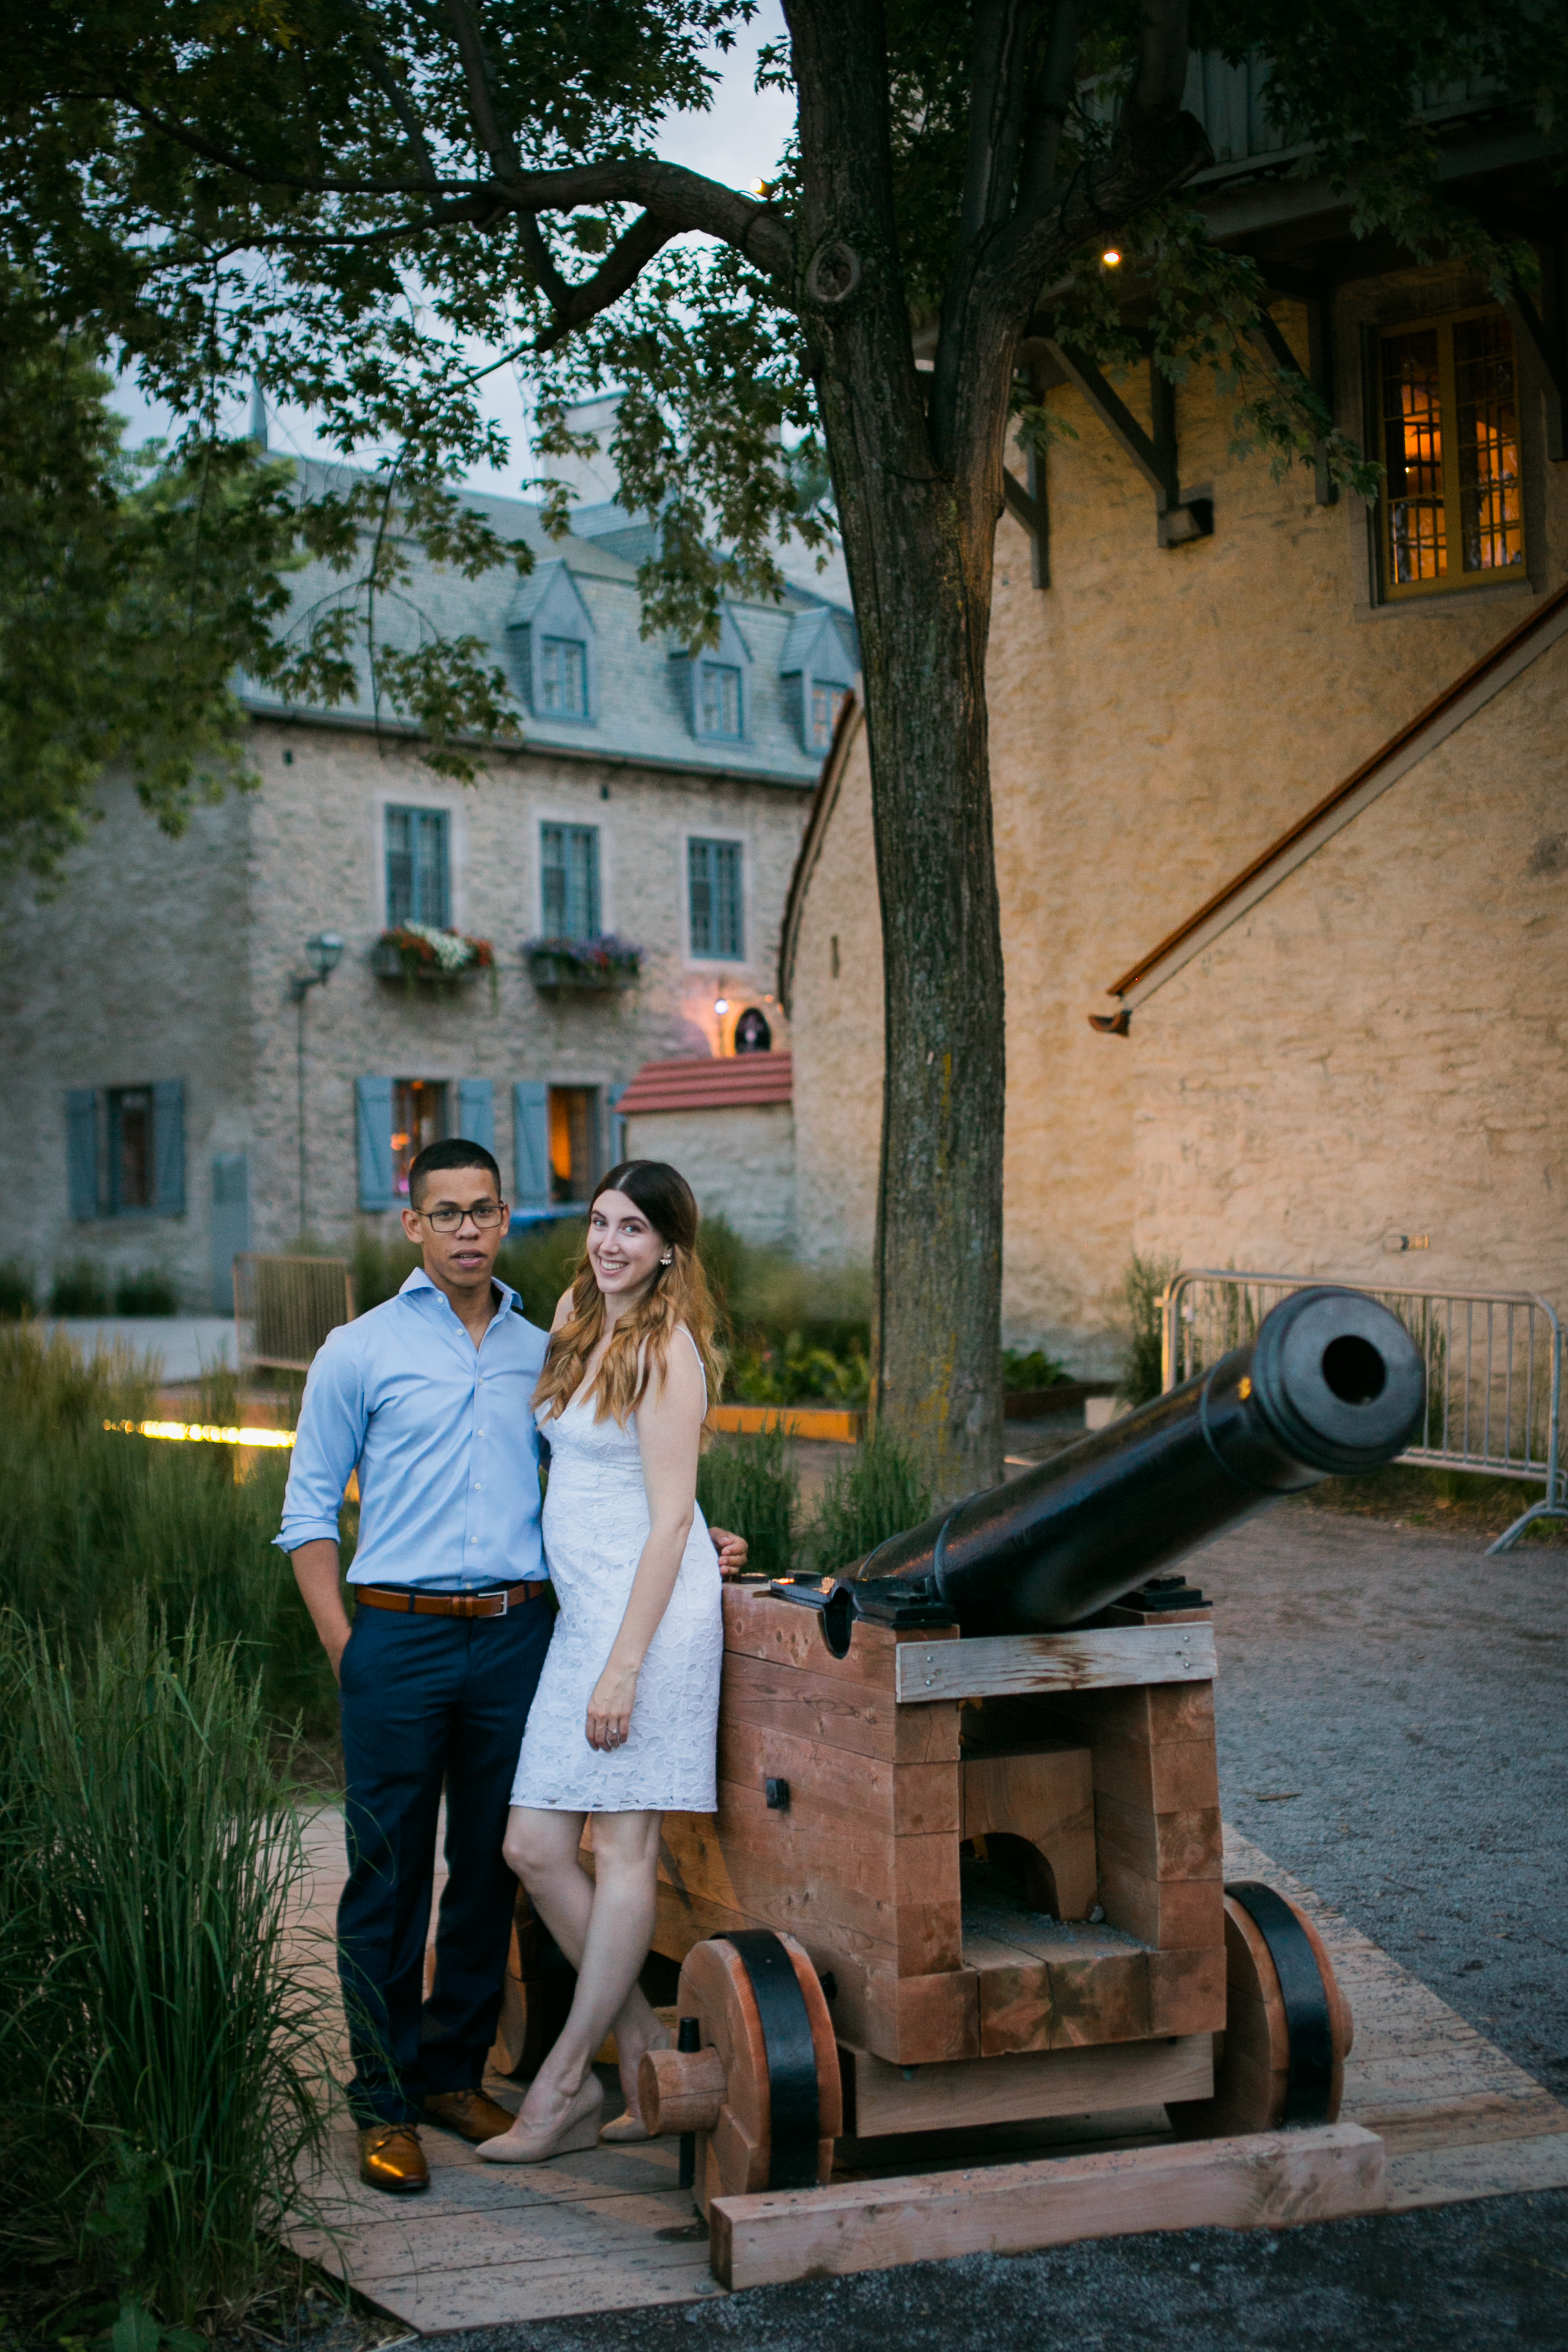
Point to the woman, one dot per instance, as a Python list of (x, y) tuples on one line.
[(625, 1722)]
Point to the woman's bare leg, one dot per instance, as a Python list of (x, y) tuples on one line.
[(605, 1925)]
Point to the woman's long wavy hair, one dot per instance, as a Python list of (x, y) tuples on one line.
[(678, 1294)]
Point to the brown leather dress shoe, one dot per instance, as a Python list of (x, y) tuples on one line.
[(391, 2157), (469, 2113)]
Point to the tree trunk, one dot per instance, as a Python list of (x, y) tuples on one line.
[(918, 538)]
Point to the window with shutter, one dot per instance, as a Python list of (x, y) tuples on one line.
[(1453, 512)]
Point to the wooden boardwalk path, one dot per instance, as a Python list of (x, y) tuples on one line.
[(610, 2229)]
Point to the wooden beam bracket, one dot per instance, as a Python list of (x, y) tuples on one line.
[(1026, 504), (1178, 521)]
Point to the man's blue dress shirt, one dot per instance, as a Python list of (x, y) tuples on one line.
[(442, 1433)]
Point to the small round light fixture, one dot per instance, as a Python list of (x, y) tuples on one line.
[(325, 951), (721, 1005), (1111, 259)]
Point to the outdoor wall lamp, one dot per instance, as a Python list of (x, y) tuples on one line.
[(324, 953)]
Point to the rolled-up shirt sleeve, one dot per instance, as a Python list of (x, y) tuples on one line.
[(327, 1446)]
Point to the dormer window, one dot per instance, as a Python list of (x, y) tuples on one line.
[(550, 625), (715, 685), (827, 701), (563, 677), (819, 661), (718, 701)]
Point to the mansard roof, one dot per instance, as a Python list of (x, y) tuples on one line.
[(642, 713)]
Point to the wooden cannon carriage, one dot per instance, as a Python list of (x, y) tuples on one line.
[(966, 1866)]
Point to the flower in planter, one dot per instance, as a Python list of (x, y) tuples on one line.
[(603, 962), (422, 948)]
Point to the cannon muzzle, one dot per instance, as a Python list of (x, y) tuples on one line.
[(1332, 1382)]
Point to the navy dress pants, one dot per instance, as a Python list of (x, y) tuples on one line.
[(428, 1702)]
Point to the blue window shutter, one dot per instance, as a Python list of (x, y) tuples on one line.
[(616, 1142), (374, 1126), (231, 1223), (82, 1151), (169, 1146), (476, 1112), (530, 1134)]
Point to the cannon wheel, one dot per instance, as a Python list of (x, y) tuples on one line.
[(1287, 2026), (762, 2013)]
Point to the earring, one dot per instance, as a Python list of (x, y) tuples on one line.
[(667, 1260)]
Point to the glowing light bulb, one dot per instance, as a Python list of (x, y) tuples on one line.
[(1111, 257), (721, 1005)]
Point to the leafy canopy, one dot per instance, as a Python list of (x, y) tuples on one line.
[(349, 199)]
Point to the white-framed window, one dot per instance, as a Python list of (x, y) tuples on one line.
[(720, 710), (569, 881), (715, 900), (419, 868), (563, 677)]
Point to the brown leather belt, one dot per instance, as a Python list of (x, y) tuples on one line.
[(414, 1601)]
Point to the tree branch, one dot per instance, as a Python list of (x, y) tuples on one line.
[(1049, 110), (627, 259), (498, 143), (998, 82), (196, 145), (391, 89), (1157, 92)]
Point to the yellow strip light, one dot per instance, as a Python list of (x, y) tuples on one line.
[(203, 1433)]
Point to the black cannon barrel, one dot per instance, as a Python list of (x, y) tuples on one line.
[(1332, 1382)]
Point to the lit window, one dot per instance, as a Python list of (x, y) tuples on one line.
[(417, 889), (1450, 444), (718, 700), (569, 855), (717, 930), (827, 701), (563, 677), (419, 1117), (574, 1120)]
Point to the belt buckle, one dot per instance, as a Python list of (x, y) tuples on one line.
[(506, 1603)]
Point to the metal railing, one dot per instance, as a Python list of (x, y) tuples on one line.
[(1493, 1362), (284, 1306)]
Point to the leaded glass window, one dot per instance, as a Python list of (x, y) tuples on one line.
[(1452, 505)]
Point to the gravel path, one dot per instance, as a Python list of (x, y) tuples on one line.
[(1391, 1729)]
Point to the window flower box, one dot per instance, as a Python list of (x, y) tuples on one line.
[(600, 967), (419, 951)]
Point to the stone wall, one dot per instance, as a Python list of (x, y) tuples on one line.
[(1157, 716), (739, 1161), (1378, 1047), (160, 958)]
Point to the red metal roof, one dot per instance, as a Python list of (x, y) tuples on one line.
[(708, 1084)]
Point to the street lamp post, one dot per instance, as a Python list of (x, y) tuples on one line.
[(323, 952)]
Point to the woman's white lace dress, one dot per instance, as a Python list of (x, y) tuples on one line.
[(595, 1524)]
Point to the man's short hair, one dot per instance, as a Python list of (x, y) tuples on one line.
[(457, 1151)]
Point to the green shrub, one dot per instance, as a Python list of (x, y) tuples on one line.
[(1143, 1287), (1034, 1370), (81, 1287), (148, 1291), (877, 1494), (748, 1485), (90, 1518), (764, 1369), (379, 1268), (161, 2030), (17, 1297), (539, 1263)]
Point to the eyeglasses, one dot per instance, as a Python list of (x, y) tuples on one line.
[(484, 1216)]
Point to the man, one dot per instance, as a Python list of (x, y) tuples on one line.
[(428, 1396)]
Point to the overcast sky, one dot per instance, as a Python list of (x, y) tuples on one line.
[(739, 141)]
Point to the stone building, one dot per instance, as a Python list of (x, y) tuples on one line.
[(1321, 1036), (177, 1095)]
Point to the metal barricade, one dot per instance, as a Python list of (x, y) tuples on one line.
[(284, 1306), (1493, 1361)]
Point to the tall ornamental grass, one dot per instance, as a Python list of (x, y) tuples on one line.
[(159, 2027), (748, 1485), (92, 1519), (876, 1493)]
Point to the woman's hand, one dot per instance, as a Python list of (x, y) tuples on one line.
[(733, 1552), (608, 1722)]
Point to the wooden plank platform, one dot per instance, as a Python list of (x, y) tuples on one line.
[(1103, 1657), (610, 2231)]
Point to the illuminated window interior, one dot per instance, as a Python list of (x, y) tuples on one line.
[(571, 1130), (1452, 508), (419, 1117)]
